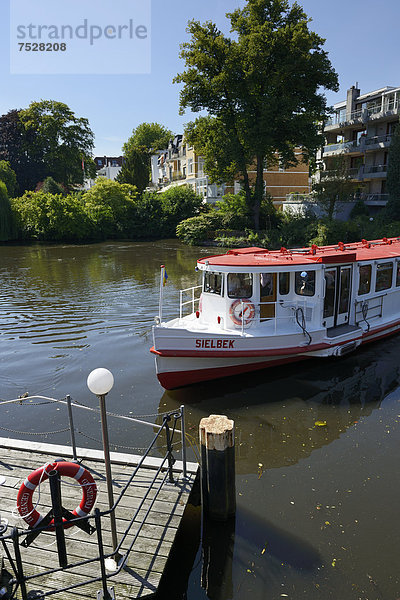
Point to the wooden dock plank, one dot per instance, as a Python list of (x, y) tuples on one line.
[(145, 565)]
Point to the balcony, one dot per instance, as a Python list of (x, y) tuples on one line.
[(345, 119), (378, 112), (374, 113), (375, 171), (375, 199), (377, 142), (353, 173), (341, 147)]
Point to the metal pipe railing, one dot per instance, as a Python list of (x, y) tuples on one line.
[(20, 579)]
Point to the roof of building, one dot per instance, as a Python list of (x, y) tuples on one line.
[(379, 92)]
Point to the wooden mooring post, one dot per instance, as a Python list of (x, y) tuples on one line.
[(217, 440)]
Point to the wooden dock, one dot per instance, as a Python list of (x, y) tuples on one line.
[(141, 575)]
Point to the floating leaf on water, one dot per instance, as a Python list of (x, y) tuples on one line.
[(334, 562), (320, 423)]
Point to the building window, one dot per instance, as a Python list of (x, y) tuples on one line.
[(201, 187), (213, 283), (364, 284), (201, 167), (305, 283), (190, 166), (384, 276)]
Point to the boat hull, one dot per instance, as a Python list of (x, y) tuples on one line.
[(180, 372), (178, 368)]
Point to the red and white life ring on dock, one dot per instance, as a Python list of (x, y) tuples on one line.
[(69, 469), (242, 311)]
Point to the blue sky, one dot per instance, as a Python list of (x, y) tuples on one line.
[(361, 38)]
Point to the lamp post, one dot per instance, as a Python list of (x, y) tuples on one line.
[(100, 382)]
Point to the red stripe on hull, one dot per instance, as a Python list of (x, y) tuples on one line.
[(177, 379), (241, 353)]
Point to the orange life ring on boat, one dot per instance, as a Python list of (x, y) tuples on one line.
[(24, 499), (236, 314)]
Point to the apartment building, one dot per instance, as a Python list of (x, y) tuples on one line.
[(107, 166), (360, 130), (280, 182), (178, 165)]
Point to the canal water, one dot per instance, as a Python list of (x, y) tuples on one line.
[(317, 443)]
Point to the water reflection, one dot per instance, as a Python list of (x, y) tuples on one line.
[(282, 417)]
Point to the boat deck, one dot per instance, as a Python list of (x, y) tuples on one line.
[(141, 575)]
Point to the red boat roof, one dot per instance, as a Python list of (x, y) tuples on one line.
[(339, 253)]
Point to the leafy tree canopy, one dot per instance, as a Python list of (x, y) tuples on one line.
[(261, 89), (14, 149), (146, 138), (53, 217), (393, 175), (57, 141), (110, 206), (135, 169), (51, 187), (8, 177), (6, 217)]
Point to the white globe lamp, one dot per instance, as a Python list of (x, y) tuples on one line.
[(100, 382)]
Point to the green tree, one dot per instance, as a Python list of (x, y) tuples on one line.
[(7, 176), (135, 169), (198, 229), (58, 142), (6, 217), (393, 176), (146, 139), (14, 149), (178, 203), (51, 187), (151, 136), (110, 207), (261, 89), (335, 187), (51, 217)]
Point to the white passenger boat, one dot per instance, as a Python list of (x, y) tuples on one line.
[(257, 308)]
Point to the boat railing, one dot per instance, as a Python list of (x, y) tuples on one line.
[(369, 308), (298, 312), (191, 301)]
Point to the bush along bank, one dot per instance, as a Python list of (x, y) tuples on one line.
[(109, 210), (221, 227)]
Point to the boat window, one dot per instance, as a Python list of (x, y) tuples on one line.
[(305, 283), (267, 283), (284, 283), (240, 285), (364, 285), (384, 276), (213, 283), (398, 274)]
